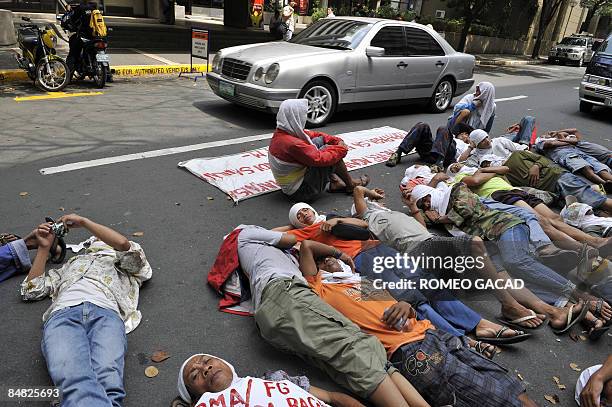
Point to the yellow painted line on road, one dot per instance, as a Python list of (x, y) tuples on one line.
[(56, 95)]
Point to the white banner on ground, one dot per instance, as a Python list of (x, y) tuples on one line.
[(248, 174)]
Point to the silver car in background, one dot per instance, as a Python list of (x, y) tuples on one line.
[(576, 49), (344, 62)]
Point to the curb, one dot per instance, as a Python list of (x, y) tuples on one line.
[(7, 75), (502, 62)]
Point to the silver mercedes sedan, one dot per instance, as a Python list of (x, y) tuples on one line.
[(343, 63)]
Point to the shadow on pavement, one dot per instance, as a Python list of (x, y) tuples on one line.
[(237, 115), (524, 71)]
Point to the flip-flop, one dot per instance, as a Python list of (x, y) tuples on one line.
[(482, 347), (571, 319), (596, 333), (515, 323), (499, 339), (5, 238), (54, 256)]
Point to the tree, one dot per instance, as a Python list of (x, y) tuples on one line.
[(549, 9), (472, 10), (603, 6)]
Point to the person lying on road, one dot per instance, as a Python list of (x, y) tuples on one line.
[(440, 366), (94, 304), (205, 379)]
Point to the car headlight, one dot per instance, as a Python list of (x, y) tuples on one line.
[(586, 78), (258, 74), (272, 73), (216, 63)]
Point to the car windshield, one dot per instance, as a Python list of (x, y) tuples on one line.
[(331, 33), (573, 41)]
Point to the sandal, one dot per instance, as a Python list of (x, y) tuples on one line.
[(485, 349), (572, 319), (516, 323), (595, 333), (504, 340), (6, 238)]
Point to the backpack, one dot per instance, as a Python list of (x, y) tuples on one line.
[(96, 23)]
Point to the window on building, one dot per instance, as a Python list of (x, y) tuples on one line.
[(420, 43), (392, 40), (440, 13)]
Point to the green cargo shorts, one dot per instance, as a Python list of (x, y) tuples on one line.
[(294, 319)]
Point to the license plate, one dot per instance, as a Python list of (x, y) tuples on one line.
[(226, 89), (102, 58)]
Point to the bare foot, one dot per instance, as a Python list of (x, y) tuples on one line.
[(485, 349), (558, 316), (7, 238), (518, 311), (488, 329)]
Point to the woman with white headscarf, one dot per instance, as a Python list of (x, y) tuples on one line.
[(476, 109), (204, 379), (306, 163)]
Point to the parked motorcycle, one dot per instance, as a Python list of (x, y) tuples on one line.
[(39, 59), (94, 61)]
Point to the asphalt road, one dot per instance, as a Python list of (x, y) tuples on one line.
[(183, 227)]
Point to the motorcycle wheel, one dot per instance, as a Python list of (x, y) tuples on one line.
[(56, 78), (99, 76)]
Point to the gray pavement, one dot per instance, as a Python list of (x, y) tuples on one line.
[(183, 227)]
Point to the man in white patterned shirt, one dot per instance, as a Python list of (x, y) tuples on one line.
[(95, 299)]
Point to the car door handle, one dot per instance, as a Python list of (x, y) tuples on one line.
[(402, 64), (440, 63)]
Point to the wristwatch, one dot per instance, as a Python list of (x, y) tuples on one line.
[(337, 254)]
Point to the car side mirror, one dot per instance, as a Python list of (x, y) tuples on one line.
[(375, 52)]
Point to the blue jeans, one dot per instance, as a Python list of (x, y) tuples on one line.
[(14, 259), (598, 151), (570, 184), (523, 136), (439, 306), (85, 347), (552, 288), (537, 236)]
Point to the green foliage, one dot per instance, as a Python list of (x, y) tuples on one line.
[(318, 13), (386, 12)]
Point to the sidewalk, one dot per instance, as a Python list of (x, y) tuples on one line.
[(501, 59)]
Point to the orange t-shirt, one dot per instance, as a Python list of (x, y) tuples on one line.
[(364, 305), (350, 247)]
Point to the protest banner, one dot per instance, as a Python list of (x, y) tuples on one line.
[(246, 175)]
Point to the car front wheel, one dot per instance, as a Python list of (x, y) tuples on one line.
[(442, 96), (322, 102)]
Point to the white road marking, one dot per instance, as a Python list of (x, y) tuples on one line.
[(153, 56), (512, 98), (150, 154), (576, 87), (175, 150)]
